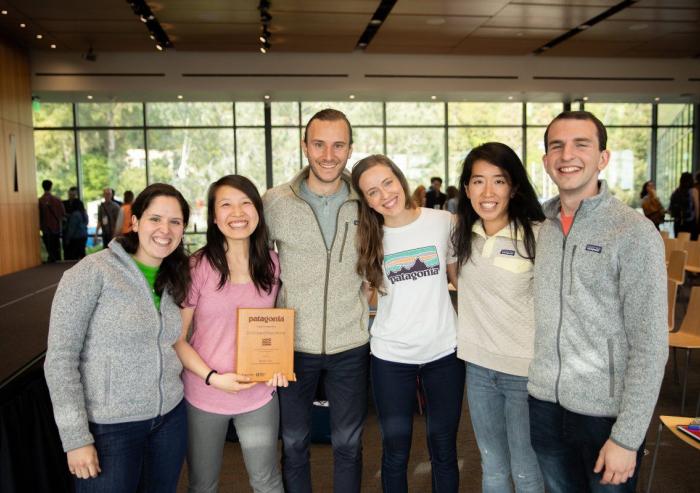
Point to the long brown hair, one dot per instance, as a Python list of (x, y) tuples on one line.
[(370, 231)]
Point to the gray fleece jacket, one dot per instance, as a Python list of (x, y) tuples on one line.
[(601, 339), (110, 356), (320, 283)]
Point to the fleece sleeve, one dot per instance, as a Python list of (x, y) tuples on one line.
[(71, 311), (645, 309)]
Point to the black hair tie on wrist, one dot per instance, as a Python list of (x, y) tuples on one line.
[(206, 380)]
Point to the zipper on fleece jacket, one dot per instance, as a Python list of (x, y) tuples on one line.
[(328, 262), (345, 235), (561, 294)]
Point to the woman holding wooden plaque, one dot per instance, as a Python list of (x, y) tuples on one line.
[(405, 253), (235, 269)]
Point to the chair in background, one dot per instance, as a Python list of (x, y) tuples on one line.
[(687, 337), (671, 422), (671, 244), (676, 266), (693, 262), (672, 294), (683, 236)]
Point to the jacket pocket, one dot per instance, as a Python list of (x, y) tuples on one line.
[(514, 265), (571, 269), (611, 367), (345, 237)]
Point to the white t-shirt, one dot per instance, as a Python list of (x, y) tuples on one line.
[(415, 321)]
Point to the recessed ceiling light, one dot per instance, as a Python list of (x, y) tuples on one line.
[(263, 49), (152, 37), (89, 96), (159, 47), (657, 99), (362, 45), (3, 12), (39, 36), (266, 96), (585, 98), (375, 22), (23, 25), (179, 96), (53, 47), (433, 98), (638, 27), (510, 98), (352, 96), (583, 27), (435, 21)]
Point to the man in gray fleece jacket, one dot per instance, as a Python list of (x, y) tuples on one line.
[(600, 315), (313, 222)]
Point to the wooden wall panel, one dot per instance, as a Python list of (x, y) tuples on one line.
[(19, 217)]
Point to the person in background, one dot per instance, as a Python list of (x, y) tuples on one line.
[(313, 222), (651, 205), (111, 369), (51, 214), (107, 213), (434, 198), (601, 333), (405, 255), (452, 199), (123, 224), (498, 219), (75, 230), (684, 206), (418, 196), (235, 269)]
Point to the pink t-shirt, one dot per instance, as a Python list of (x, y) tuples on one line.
[(214, 338)]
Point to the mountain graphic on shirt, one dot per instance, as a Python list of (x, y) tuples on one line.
[(411, 265)]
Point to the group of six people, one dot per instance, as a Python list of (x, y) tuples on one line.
[(560, 333)]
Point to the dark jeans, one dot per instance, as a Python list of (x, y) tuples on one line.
[(74, 249), (143, 456), (52, 242), (346, 389), (394, 390), (567, 446)]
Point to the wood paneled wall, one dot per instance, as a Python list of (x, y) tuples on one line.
[(19, 213)]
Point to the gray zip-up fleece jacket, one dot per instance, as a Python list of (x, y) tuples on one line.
[(320, 283), (110, 356), (601, 339)]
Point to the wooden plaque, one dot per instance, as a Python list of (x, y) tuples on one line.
[(265, 343)]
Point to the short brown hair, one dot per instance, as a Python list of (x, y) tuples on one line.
[(329, 115), (580, 115)]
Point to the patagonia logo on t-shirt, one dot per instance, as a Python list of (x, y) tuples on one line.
[(594, 248), (510, 253)]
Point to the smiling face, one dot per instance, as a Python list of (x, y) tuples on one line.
[(489, 192), (383, 192), (234, 213), (160, 230), (573, 159), (327, 149)]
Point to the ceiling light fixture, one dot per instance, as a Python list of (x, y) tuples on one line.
[(433, 98), (3, 12), (266, 96), (22, 25), (155, 30), (89, 96), (657, 99), (39, 36), (510, 98), (53, 46), (179, 96), (585, 98), (265, 19), (379, 18), (352, 96), (375, 22)]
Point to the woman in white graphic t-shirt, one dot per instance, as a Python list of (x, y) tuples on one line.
[(405, 252)]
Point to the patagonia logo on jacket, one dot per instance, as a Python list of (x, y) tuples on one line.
[(510, 253), (594, 248)]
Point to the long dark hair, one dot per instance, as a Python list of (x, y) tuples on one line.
[(370, 231), (260, 264), (644, 191), (174, 272), (523, 207)]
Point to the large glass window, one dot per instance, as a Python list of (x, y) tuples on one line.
[(418, 151), (189, 114), (55, 160), (110, 114)]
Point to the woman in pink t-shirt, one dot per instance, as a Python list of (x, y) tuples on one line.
[(234, 269)]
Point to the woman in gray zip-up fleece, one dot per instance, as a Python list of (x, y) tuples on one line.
[(111, 369)]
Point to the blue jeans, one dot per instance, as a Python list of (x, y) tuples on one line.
[(346, 390), (394, 391), (500, 418), (144, 456), (567, 446)]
